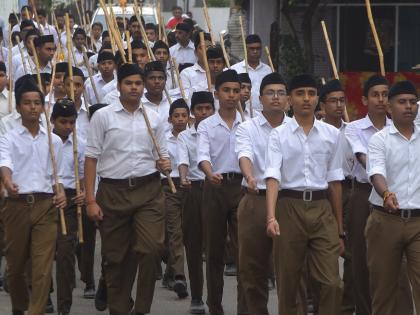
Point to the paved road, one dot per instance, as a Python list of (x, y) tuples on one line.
[(165, 302)]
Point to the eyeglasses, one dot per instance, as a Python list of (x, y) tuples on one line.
[(272, 93)]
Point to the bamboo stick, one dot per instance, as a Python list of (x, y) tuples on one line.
[(89, 69), (130, 52), (246, 62), (207, 18), (225, 55), (204, 56), (10, 74), (178, 77), (333, 64), (375, 36), (21, 55), (270, 61)]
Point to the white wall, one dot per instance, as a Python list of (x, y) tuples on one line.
[(6, 7)]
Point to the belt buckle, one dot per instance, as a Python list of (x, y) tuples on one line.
[(131, 182), (405, 211), (30, 199), (305, 194)]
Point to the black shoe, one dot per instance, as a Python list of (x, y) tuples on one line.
[(168, 282), (49, 309), (197, 307), (89, 292), (101, 300), (18, 312), (180, 288), (271, 284), (230, 270)]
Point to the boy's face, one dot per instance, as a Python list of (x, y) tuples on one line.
[(3, 80), (78, 87), (404, 108), (162, 55), (59, 83), (30, 107), (106, 67), (96, 32), (151, 35), (377, 99), (304, 100), (131, 88), (179, 118), (202, 111), (79, 41), (155, 82), (245, 91), (140, 56), (216, 66), (46, 52), (64, 126), (228, 94), (334, 104)]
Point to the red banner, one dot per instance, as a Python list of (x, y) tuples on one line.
[(353, 86)]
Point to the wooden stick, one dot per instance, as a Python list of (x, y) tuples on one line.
[(225, 55), (375, 35), (60, 54), (246, 62), (89, 69), (333, 65), (207, 17), (36, 16), (156, 145), (114, 33), (75, 153), (330, 53), (270, 61), (38, 71), (110, 34), (79, 14), (165, 36), (10, 74), (241, 111), (206, 64), (178, 77), (171, 67), (159, 13), (21, 55), (130, 52), (86, 28)]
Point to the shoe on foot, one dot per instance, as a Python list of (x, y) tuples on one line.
[(197, 307), (49, 309), (230, 270), (180, 288), (89, 292), (101, 300)]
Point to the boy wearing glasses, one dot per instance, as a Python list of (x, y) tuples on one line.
[(251, 141)]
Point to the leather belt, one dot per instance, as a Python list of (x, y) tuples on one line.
[(176, 181), (348, 181), (306, 195), (363, 186), (132, 181), (402, 213), (31, 198), (261, 192), (228, 177), (70, 192), (198, 183)]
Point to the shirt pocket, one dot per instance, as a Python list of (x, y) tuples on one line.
[(319, 165)]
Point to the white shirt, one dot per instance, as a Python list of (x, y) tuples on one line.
[(68, 161), (4, 103), (162, 109), (251, 142), (111, 97), (110, 86), (171, 141), (183, 54), (13, 120), (256, 75), (187, 153), (79, 61), (120, 141), (396, 158), (417, 120), (29, 68), (29, 160), (99, 84), (358, 133), (216, 144), (304, 162), (82, 122), (192, 75), (50, 30)]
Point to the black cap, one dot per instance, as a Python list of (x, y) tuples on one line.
[(329, 87), (301, 81), (375, 79), (64, 108), (244, 78), (253, 38), (25, 84), (32, 32), (92, 109), (215, 53), (271, 78), (77, 72), (26, 23), (160, 45), (128, 69), (3, 67), (154, 66), (179, 103), (226, 76), (39, 41), (402, 87), (105, 55), (186, 27), (202, 97), (61, 67)]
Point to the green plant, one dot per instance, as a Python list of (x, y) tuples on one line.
[(292, 60), (218, 3)]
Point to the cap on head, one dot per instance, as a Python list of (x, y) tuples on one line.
[(226, 76), (186, 27), (252, 39), (302, 81), (77, 72), (64, 108), (374, 80), (127, 70), (39, 41), (2, 67), (402, 87), (26, 84), (154, 66), (202, 97), (61, 67), (215, 53), (105, 55)]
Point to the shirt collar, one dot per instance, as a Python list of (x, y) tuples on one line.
[(21, 129), (367, 123), (295, 126), (5, 93), (394, 130), (197, 67), (219, 120), (118, 106)]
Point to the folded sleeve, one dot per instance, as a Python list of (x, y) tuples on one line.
[(243, 144), (273, 157), (376, 164)]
